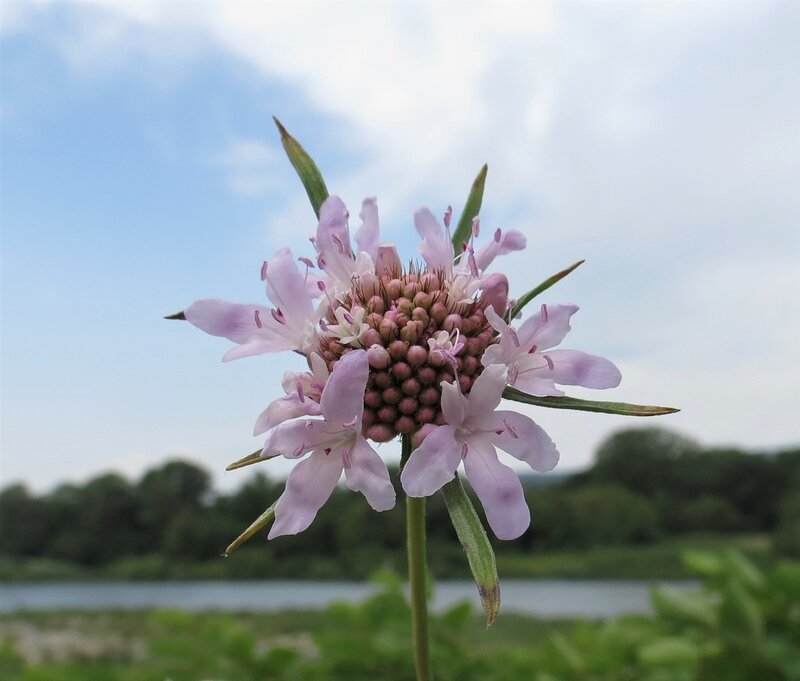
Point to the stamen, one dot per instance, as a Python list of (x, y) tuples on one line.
[(257, 317), (264, 271), (533, 349), (339, 243), (307, 262), (464, 450), (498, 234), (513, 333), (473, 264), (476, 226), (545, 316), (349, 318), (278, 315), (321, 286), (299, 449), (510, 429), (323, 325), (513, 372), (448, 216), (549, 362)]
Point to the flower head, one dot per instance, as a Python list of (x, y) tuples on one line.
[(401, 350)]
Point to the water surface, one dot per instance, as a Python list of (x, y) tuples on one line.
[(549, 598)]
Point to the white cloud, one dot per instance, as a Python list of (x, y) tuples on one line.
[(658, 140), (252, 167)]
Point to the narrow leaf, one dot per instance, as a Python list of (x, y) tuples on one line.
[(262, 521), (475, 543), (541, 288), (177, 315), (621, 408), (306, 168), (471, 209), (248, 460)]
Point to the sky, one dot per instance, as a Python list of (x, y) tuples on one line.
[(140, 171)]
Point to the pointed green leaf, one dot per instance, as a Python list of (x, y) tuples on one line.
[(471, 209), (259, 523), (621, 408), (741, 568), (683, 606), (740, 613), (475, 543), (668, 651), (306, 169), (248, 460), (541, 288), (177, 315)]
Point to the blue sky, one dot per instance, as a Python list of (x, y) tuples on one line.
[(140, 171)]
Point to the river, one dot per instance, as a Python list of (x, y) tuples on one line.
[(547, 598)]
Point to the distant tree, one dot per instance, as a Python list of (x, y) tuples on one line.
[(166, 491), (96, 522), (24, 522), (643, 460), (591, 516)]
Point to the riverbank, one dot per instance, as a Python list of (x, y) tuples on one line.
[(741, 626), (656, 560)]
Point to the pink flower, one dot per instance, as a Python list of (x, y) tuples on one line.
[(467, 272), (336, 444), (535, 371), (303, 394), (335, 253), (472, 432), (290, 325)]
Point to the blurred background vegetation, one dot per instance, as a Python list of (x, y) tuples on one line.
[(653, 505), (650, 494)]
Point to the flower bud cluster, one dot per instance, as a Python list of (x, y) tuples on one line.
[(417, 336)]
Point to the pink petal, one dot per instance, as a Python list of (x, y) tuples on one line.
[(572, 367), (454, 404), (522, 438), (308, 487), (287, 286), (367, 474), (234, 321), (436, 248), (511, 240), (258, 345), (343, 395), (546, 330), (294, 439), (368, 234), (283, 409), (533, 383), (499, 490), (333, 232), (494, 292), (487, 391), (388, 260), (432, 464)]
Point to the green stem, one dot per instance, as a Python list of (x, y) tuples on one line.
[(417, 571)]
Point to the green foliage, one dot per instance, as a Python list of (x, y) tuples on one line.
[(741, 625)]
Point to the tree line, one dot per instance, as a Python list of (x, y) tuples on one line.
[(645, 485)]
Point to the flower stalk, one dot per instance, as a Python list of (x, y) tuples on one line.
[(417, 576)]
